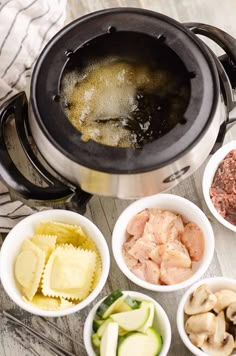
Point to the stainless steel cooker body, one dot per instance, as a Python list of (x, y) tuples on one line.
[(130, 186), (91, 168)]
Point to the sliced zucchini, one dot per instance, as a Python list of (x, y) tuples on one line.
[(109, 340), (131, 320), (96, 341), (128, 304), (109, 305), (102, 328), (149, 322), (96, 324), (122, 332), (140, 344)]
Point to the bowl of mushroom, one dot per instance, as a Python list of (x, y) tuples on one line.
[(206, 317)]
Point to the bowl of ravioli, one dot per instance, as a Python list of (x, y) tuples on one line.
[(54, 263)]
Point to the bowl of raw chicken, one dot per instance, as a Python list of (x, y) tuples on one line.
[(163, 242)]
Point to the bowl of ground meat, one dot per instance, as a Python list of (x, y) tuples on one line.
[(219, 185)]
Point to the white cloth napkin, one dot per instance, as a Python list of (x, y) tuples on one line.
[(25, 28)]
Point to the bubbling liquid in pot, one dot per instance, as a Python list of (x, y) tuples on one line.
[(123, 103)]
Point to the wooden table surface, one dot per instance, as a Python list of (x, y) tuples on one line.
[(104, 211)]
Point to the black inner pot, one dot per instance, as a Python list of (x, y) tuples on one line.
[(158, 110), (147, 35)]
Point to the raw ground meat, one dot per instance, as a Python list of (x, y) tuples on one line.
[(223, 188)]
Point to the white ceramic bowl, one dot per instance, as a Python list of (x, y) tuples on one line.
[(208, 176), (176, 204), (214, 284), (161, 323), (24, 230)]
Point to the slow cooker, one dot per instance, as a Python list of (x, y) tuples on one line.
[(92, 168)]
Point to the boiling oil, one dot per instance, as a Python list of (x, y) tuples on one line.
[(123, 103)]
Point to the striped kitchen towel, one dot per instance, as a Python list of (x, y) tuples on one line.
[(25, 27), (11, 212)]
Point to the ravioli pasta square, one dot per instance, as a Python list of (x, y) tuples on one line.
[(29, 268), (69, 273), (90, 245), (97, 274), (47, 243), (49, 303), (65, 233)]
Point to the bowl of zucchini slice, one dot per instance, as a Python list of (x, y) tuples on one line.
[(126, 323)]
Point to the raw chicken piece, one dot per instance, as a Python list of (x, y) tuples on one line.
[(150, 229), (173, 275), (164, 225), (148, 236), (142, 249), (152, 272), (176, 230), (130, 242), (179, 225), (137, 223), (139, 271), (154, 211), (193, 239), (176, 255), (147, 271), (173, 234), (157, 253), (129, 260)]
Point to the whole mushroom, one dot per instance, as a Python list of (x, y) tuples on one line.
[(224, 298), (220, 343), (201, 300), (199, 327), (231, 312)]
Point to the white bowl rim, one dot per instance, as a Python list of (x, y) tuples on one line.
[(163, 288), (209, 171), (45, 214), (180, 311), (138, 295)]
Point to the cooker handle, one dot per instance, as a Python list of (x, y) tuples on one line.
[(9, 173), (222, 38), (226, 64), (228, 61)]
